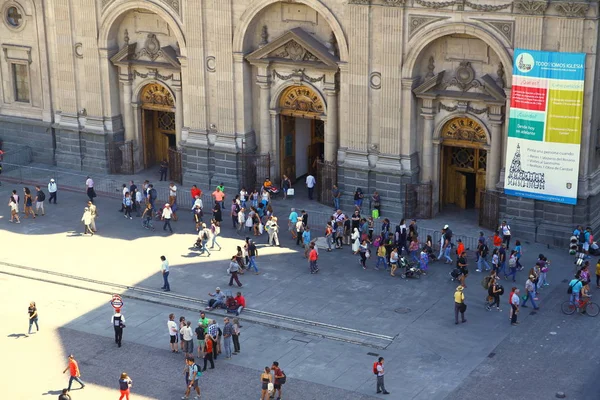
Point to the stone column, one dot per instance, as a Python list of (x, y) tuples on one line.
[(428, 164), (178, 115), (126, 87), (331, 126), (138, 158), (495, 154), (263, 82)]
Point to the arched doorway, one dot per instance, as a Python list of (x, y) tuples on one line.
[(158, 123), (302, 131), (464, 162)]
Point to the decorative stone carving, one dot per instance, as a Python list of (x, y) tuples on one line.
[(486, 7), (437, 4), (153, 74), (442, 106), (505, 28), (464, 74), (301, 100), (531, 7), (464, 129), (461, 4), (375, 80), (360, 2), (430, 68), (158, 95), (332, 45), (500, 73), (297, 73), (126, 38), (569, 9), (477, 110), (264, 35), (417, 22), (151, 48), (78, 50), (295, 52), (211, 64)]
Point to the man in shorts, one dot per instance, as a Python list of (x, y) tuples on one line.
[(172, 325), (278, 374), (192, 378)]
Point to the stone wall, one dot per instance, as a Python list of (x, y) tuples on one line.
[(35, 134)]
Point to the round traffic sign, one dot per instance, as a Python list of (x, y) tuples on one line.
[(116, 302)]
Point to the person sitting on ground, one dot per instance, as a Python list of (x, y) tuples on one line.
[(267, 185), (231, 305), (241, 302), (217, 301)]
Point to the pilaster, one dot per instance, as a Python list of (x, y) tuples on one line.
[(193, 75)]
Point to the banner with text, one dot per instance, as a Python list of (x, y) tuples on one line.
[(544, 129)]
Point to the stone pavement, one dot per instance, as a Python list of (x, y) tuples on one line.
[(427, 360)]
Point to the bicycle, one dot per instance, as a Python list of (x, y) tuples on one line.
[(586, 306)]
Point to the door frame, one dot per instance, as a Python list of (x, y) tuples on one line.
[(448, 188)]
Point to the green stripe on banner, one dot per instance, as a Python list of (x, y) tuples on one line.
[(524, 129)]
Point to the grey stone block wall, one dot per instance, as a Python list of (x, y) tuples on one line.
[(35, 134), (196, 167), (82, 151)]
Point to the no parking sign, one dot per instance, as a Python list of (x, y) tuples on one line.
[(117, 301)]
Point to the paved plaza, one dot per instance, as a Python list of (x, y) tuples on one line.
[(321, 328)]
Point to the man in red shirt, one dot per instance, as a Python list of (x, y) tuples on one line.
[(73, 368), (195, 192), (497, 240), (241, 302), (278, 373), (313, 256)]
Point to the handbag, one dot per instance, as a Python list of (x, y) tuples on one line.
[(463, 307), (367, 254), (290, 192), (229, 270)]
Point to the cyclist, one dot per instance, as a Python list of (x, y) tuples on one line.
[(575, 285)]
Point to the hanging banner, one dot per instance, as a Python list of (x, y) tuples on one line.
[(544, 129)]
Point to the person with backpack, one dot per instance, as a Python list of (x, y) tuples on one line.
[(124, 385), (152, 195), (204, 235), (512, 265), (279, 378), (495, 290), (39, 201), (118, 323), (379, 373), (574, 290), (194, 373), (482, 251)]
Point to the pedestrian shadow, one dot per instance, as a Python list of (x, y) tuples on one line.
[(53, 392), (17, 335), (191, 255), (75, 234)]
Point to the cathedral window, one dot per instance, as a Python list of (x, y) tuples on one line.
[(20, 76)]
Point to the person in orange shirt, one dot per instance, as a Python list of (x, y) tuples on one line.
[(208, 352), (460, 248), (313, 256), (497, 240), (219, 197), (73, 368)]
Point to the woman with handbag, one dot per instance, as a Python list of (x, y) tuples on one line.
[(266, 379), (364, 253)]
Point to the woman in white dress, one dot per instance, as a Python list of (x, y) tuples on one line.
[(355, 240)]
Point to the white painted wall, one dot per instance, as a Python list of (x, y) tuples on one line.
[(302, 143)]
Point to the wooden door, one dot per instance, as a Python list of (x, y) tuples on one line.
[(461, 190), (287, 151), (148, 137)]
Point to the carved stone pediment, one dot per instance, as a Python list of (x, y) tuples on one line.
[(531, 7), (151, 54), (295, 47)]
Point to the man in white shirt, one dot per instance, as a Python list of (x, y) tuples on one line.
[(310, 184), (52, 189), (118, 323), (197, 202), (380, 374), (204, 234), (166, 216), (165, 273), (188, 339), (172, 193), (89, 184), (172, 326)]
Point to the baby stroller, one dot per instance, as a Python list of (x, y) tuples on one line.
[(410, 270)]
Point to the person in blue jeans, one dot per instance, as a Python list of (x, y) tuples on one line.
[(165, 273), (335, 192), (575, 286), (512, 266), (530, 292), (252, 253), (502, 260)]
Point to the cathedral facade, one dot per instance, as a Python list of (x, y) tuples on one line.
[(407, 97)]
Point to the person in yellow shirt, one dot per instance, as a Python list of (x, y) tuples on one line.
[(598, 274), (459, 304), (381, 252)]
